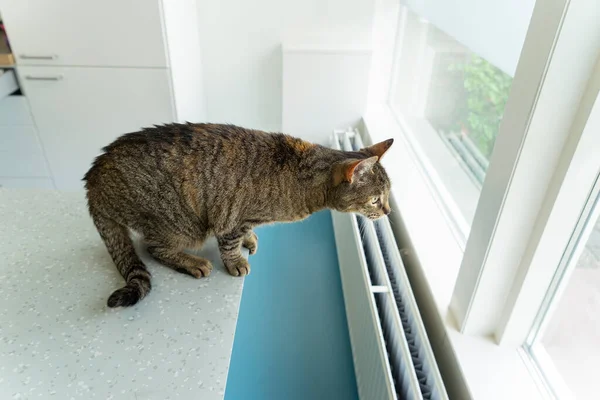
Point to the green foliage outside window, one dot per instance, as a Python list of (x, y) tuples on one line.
[(487, 90)]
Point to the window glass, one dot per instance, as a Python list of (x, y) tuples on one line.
[(450, 102), (566, 342)]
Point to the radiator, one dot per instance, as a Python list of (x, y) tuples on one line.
[(390, 349)]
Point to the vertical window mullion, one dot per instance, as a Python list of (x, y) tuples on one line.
[(550, 80)]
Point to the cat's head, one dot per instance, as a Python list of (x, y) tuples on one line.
[(360, 183)]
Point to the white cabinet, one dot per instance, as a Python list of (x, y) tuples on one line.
[(26, 183), (22, 161), (8, 83), (86, 32), (90, 71), (21, 153), (14, 111), (80, 110)]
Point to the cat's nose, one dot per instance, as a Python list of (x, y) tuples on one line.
[(387, 210)]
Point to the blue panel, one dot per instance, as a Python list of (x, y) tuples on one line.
[(291, 339)]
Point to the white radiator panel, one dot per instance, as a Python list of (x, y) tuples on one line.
[(392, 356), (399, 356), (371, 365)]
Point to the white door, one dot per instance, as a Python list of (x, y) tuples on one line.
[(88, 33), (80, 110)]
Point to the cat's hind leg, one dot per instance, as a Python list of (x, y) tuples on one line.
[(250, 242), (120, 247), (169, 251)]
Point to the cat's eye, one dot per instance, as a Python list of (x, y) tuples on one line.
[(375, 200)]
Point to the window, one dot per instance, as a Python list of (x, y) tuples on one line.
[(565, 342), (495, 105), (450, 102)]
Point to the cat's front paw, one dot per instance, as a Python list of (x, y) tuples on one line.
[(239, 267), (251, 242), (201, 269)]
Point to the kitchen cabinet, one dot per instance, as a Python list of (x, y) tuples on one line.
[(108, 102), (88, 72), (86, 33)]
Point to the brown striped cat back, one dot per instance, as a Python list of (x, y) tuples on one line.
[(178, 184)]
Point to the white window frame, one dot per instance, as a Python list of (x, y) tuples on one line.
[(538, 117), (502, 274), (557, 220), (589, 213)]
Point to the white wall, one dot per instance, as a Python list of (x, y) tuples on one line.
[(185, 59), (385, 30), (241, 50), (323, 90)]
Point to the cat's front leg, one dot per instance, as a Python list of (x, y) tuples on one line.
[(251, 242), (231, 252)]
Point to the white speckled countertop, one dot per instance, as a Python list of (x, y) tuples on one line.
[(58, 339)]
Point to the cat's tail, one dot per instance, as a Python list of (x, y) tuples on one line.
[(120, 247)]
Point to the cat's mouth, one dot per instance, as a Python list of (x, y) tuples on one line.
[(369, 215)]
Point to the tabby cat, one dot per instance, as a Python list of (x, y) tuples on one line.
[(179, 183)]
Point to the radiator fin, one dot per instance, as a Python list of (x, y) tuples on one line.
[(403, 374)]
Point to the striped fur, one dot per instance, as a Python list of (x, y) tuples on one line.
[(178, 184)]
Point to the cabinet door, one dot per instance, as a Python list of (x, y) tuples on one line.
[(20, 152), (26, 183), (88, 33), (80, 110)]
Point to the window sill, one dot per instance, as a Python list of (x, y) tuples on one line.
[(474, 367)]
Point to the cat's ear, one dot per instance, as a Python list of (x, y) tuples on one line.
[(379, 149), (348, 170)]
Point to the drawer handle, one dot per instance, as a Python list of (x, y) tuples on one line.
[(39, 57), (43, 78)]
